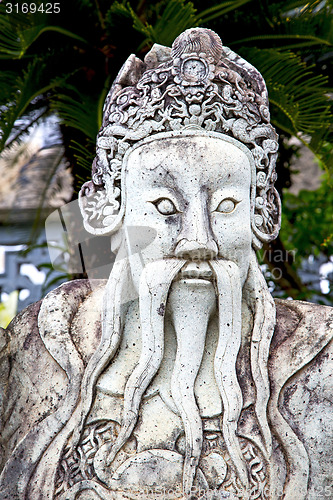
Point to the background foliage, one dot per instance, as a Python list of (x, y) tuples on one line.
[(64, 64)]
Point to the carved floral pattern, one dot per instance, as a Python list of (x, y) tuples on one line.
[(78, 466)]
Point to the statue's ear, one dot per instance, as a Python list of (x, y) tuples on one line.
[(266, 222), (100, 208), (99, 199)]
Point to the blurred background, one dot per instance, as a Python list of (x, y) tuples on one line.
[(57, 63)]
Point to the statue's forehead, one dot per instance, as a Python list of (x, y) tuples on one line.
[(204, 156)]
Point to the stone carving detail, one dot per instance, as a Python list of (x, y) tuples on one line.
[(179, 376), (77, 466)]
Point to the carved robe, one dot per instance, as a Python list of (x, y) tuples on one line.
[(40, 391)]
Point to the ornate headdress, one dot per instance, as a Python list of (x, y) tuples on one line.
[(198, 84)]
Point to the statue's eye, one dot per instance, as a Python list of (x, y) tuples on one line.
[(165, 206), (227, 206)]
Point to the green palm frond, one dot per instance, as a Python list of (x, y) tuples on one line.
[(312, 28), (7, 84), (219, 10), (177, 16), (300, 94), (287, 42), (84, 156), (303, 7), (309, 209), (290, 80), (172, 17), (15, 34), (31, 83), (19, 31), (78, 111), (296, 25), (298, 97), (322, 148)]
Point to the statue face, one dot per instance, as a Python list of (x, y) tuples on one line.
[(195, 193)]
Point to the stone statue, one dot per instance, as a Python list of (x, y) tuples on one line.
[(179, 377)]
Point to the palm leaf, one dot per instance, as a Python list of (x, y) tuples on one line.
[(177, 16), (219, 10), (296, 26), (299, 40), (31, 83), (7, 84), (304, 7), (15, 31), (78, 111), (19, 31), (297, 95), (172, 17), (84, 156)]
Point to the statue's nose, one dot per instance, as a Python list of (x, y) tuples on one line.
[(195, 250), (196, 240)]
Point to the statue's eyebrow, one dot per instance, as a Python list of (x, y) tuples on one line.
[(163, 172), (161, 190), (164, 178)]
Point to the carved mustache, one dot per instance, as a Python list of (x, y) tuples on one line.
[(196, 270)]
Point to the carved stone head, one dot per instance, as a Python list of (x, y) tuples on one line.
[(199, 88)]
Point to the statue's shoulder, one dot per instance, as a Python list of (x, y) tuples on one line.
[(303, 328), (301, 352), (64, 303), (65, 324), (303, 334), (301, 387)]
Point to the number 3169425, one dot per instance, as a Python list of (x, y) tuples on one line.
[(31, 8)]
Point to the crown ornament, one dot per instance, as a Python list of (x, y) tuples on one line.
[(198, 84)]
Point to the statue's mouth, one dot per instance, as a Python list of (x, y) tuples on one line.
[(199, 270)]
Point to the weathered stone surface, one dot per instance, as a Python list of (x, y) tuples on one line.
[(179, 376)]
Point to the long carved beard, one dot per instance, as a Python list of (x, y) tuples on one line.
[(258, 297), (155, 292), (191, 303), (261, 303), (230, 335), (155, 282)]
